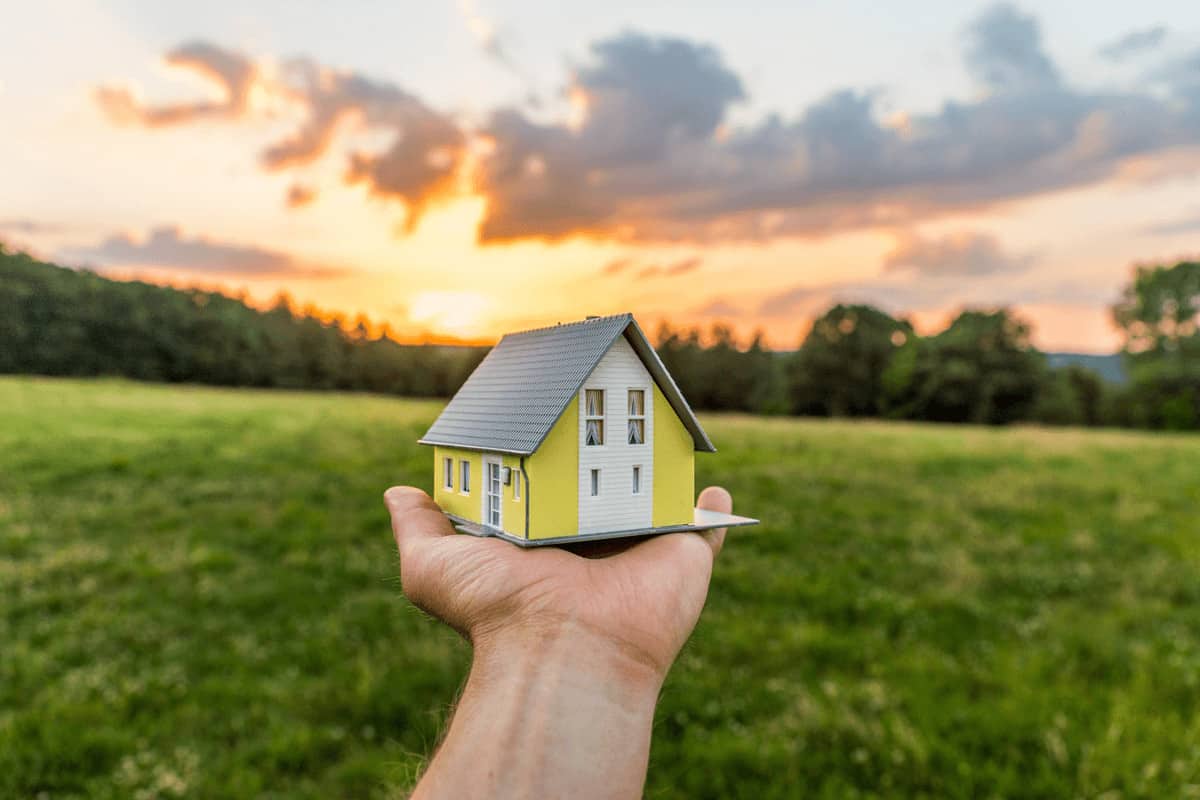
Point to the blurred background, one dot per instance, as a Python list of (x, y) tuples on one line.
[(247, 250)]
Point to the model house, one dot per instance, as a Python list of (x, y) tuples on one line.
[(568, 432)]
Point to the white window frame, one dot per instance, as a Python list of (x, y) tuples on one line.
[(516, 479), (595, 486), (589, 417), (635, 417), (635, 479), (448, 473), (488, 462), (464, 476)]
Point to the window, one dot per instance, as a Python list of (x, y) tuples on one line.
[(594, 416), (595, 482), (637, 480), (448, 473), (516, 485), (637, 416), (464, 483)]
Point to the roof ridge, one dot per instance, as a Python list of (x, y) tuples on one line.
[(561, 325)]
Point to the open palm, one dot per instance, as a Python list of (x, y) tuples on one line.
[(644, 596)]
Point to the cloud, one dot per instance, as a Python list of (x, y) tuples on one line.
[(299, 195), (719, 307), (1174, 227), (616, 266), (1004, 52), (484, 32), (1134, 43), (957, 254), (419, 164), (167, 247), (229, 71), (680, 267), (29, 226), (650, 152), (655, 159), (905, 294)]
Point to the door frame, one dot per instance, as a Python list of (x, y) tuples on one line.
[(488, 462)]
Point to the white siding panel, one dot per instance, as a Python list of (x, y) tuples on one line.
[(616, 508)]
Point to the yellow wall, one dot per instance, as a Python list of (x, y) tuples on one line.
[(554, 479), (470, 506), (453, 500), (674, 466), (513, 511)]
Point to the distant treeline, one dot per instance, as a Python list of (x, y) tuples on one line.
[(57, 321), (856, 361)]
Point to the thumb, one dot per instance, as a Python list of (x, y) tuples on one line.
[(715, 498), (415, 517)]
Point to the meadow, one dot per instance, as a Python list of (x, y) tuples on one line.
[(199, 598)]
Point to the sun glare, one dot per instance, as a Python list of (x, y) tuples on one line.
[(458, 314)]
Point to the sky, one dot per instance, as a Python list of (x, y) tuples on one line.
[(460, 169)]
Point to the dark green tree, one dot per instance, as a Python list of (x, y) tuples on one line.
[(981, 369), (838, 370), (1073, 395), (1159, 314)]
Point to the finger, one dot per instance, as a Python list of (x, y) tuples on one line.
[(715, 498), (415, 517)]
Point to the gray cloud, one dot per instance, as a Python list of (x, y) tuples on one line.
[(1004, 52), (957, 254), (654, 157), (167, 247), (230, 71), (1134, 43), (643, 167), (1174, 227), (418, 165)]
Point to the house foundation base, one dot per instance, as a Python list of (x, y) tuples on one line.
[(702, 520)]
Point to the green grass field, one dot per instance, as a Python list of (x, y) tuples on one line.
[(198, 598)]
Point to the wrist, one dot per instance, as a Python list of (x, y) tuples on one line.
[(567, 647), (555, 710)]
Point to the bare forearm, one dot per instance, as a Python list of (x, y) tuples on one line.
[(551, 713)]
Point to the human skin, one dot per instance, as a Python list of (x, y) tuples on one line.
[(571, 648)]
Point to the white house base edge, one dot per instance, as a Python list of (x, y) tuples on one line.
[(703, 519)]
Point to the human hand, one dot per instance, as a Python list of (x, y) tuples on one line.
[(640, 598), (570, 650)]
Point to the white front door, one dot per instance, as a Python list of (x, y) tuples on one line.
[(493, 490)]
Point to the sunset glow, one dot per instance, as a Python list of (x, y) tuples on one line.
[(714, 174)]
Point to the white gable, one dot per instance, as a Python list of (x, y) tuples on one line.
[(616, 507)]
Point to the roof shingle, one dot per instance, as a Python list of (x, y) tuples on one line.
[(520, 389)]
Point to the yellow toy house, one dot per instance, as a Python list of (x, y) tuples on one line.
[(570, 432)]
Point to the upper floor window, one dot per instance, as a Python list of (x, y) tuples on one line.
[(593, 400), (637, 416)]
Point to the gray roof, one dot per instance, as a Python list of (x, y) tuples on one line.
[(521, 388)]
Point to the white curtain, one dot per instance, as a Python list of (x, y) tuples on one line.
[(636, 403), (595, 403)]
